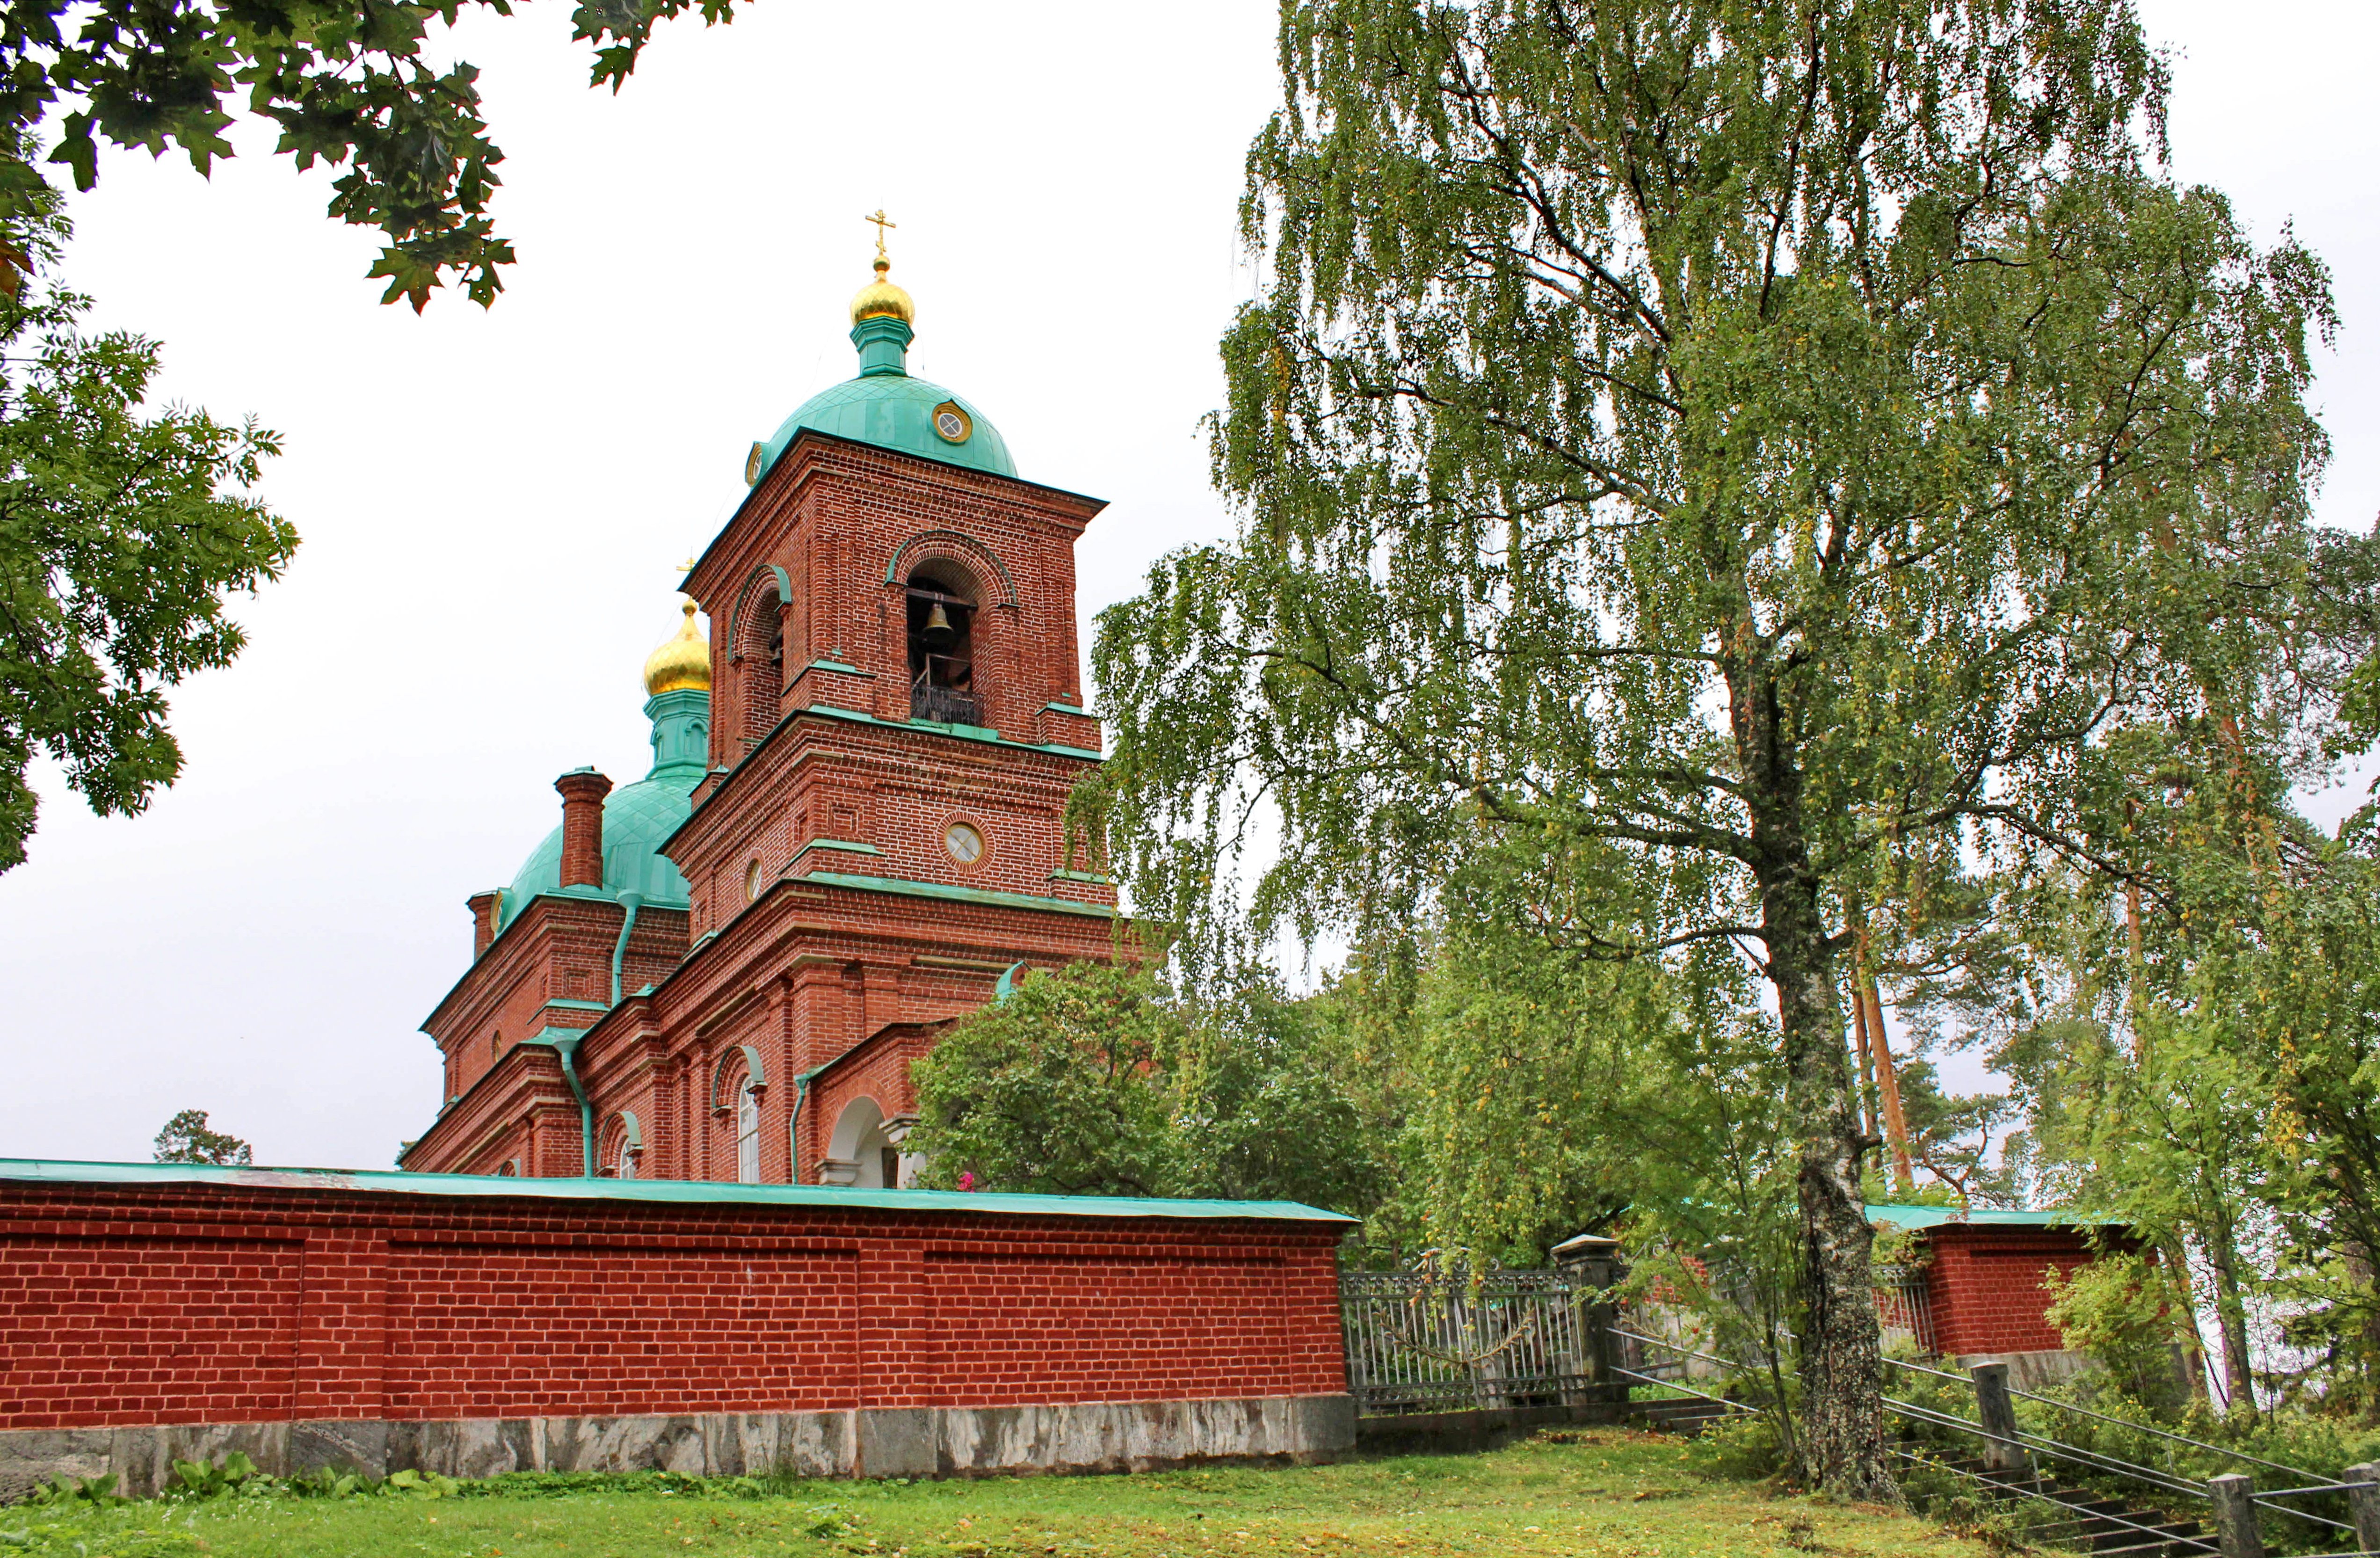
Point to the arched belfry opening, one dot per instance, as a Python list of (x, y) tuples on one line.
[(942, 645), (761, 652)]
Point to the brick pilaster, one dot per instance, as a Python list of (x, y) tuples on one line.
[(896, 1368), (343, 1324)]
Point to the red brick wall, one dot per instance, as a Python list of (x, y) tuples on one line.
[(1986, 1285), (125, 1305), (524, 1330), (161, 1330)]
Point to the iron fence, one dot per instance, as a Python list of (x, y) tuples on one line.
[(1902, 1307), (1420, 1342)]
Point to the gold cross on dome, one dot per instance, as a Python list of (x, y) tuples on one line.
[(881, 222)]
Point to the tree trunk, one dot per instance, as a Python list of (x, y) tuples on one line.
[(1866, 1071), (1842, 1361), (1896, 1125), (2193, 1361), (2230, 1312)]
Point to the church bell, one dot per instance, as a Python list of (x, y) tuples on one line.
[(937, 624)]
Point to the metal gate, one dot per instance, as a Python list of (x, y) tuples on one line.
[(1422, 1341)]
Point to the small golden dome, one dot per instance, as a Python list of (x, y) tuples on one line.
[(684, 662), (880, 299)]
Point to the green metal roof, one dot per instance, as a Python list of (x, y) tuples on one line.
[(893, 411), (1981, 1217), (886, 407), (636, 818), (679, 1191)]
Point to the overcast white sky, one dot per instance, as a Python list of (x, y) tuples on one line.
[(494, 502)]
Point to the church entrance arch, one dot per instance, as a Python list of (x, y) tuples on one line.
[(859, 1153)]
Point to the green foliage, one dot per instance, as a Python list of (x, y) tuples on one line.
[(1584, 1491), (121, 534), (1775, 464), (2125, 1314), (349, 84), (97, 1491), (1095, 1080), (1746, 1449), (187, 1139), (207, 1480), (1054, 1090)]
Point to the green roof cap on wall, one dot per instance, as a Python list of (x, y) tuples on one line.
[(383, 1182), (1982, 1217)]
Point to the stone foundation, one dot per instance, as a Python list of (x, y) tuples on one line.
[(891, 1442)]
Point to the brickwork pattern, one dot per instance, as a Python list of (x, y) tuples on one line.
[(510, 1330), (806, 974), (1985, 1285), (123, 1305), (103, 1329), (1048, 1327)]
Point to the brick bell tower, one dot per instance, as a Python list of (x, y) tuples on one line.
[(875, 844)]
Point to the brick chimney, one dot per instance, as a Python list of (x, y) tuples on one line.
[(583, 790), (483, 919)]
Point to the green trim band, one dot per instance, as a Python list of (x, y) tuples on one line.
[(959, 732), (843, 844), (839, 667), (957, 894), (384, 1182), (1094, 878), (853, 716)]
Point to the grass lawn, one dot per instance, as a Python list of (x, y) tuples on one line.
[(1609, 1493)]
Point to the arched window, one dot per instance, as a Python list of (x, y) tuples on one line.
[(747, 1135), (739, 1068), (620, 1147), (760, 655), (942, 645)]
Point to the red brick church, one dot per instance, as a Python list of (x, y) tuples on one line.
[(852, 834)]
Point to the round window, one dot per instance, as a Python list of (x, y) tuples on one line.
[(965, 844), (751, 882), (951, 424)]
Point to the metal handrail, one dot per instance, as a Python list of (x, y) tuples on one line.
[(1656, 1342), (2084, 1515), (2059, 1451), (2317, 1487), (2259, 1496), (2063, 1451), (2161, 1434), (1674, 1385), (2169, 1481)]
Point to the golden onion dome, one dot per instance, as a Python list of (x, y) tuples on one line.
[(880, 299), (684, 662)]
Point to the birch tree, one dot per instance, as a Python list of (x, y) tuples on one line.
[(1762, 449)]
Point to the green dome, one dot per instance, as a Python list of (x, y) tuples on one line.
[(886, 407), (635, 818)]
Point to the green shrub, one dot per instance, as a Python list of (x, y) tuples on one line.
[(1745, 1448)]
